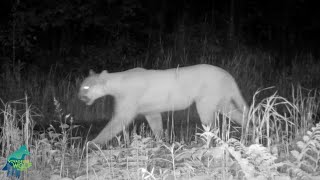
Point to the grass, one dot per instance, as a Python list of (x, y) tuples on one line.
[(283, 140), (60, 150)]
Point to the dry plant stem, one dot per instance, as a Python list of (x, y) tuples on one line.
[(188, 122), (119, 140), (224, 165), (168, 125), (27, 122), (26, 125), (172, 135)]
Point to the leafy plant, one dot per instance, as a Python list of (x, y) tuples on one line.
[(308, 159), (208, 134)]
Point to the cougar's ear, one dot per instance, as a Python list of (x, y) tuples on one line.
[(91, 72), (104, 72)]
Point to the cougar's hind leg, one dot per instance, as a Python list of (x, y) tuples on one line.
[(238, 117), (155, 123), (235, 112), (206, 109)]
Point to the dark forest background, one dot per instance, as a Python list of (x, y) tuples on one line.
[(48, 46), (73, 33)]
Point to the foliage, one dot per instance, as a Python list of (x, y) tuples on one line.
[(148, 159), (308, 156)]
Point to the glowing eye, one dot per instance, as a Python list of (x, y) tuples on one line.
[(85, 87)]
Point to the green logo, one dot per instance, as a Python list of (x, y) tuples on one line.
[(16, 162)]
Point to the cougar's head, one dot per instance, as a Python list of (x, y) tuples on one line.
[(92, 87)]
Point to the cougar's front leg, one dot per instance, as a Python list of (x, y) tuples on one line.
[(124, 114)]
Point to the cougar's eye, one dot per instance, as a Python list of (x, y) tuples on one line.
[(86, 87)]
